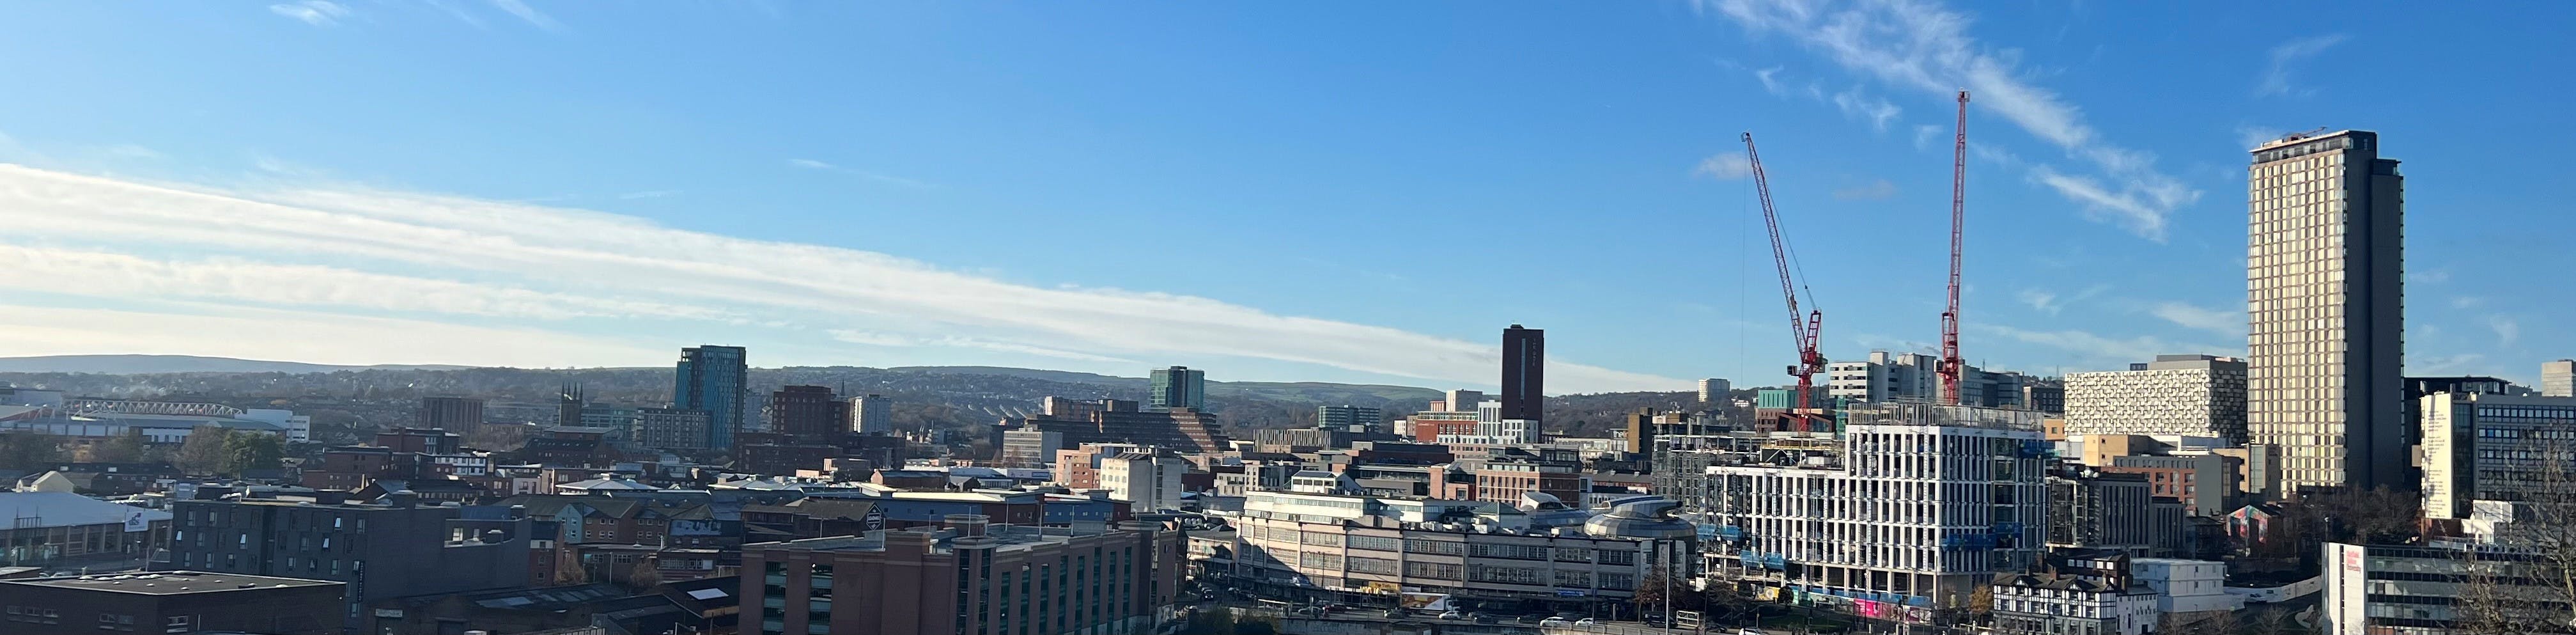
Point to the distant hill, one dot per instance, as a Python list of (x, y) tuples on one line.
[(1316, 392), (156, 364)]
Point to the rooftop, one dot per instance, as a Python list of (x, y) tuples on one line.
[(66, 509), (171, 582)]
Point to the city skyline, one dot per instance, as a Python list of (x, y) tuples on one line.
[(2102, 223)]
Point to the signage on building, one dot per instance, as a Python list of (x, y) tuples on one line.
[(135, 522), (875, 519)]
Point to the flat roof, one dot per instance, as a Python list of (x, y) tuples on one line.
[(171, 582)]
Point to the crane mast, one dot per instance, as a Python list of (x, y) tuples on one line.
[(1951, 364), (1802, 331)]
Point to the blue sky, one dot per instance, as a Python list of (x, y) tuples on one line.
[(1269, 191)]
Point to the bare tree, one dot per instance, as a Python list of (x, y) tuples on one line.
[(2523, 579)]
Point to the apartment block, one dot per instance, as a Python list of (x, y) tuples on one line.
[(2325, 293), (968, 576)]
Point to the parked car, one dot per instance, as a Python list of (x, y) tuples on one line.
[(1452, 615), (1585, 622), (1555, 621)]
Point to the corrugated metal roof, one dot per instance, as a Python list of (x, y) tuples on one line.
[(65, 509)]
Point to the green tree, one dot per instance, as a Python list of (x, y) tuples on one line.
[(205, 450), (252, 451)]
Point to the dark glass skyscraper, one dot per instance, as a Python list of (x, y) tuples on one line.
[(1524, 373), (711, 378), (1179, 387)]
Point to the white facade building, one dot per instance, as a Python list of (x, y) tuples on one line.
[(1926, 513), (2185, 586), (2187, 395), (1149, 481)]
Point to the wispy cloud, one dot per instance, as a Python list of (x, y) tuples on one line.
[(313, 12), (1768, 77), (1923, 46), (1878, 190), (811, 164), (2049, 302), (527, 14), (1724, 166), (1924, 135), (649, 194), (2276, 78), (2041, 301), (2230, 323), (891, 339), (1878, 112), (326, 250), (2506, 329), (2097, 351), (2250, 136), (2459, 364)]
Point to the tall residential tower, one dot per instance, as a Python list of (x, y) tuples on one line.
[(2324, 293), (712, 378), (1524, 374)]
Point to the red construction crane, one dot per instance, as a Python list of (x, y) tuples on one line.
[(1802, 332), (1950, 361)]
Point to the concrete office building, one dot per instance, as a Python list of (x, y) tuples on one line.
[(1178, 387), (2483, 446), (1916, 503), (171, 602), (2324, 280), (2185, 395), (1885, 377), (453, 413), (1912, 377), (2558, 378), (1715, 391), (807, 411), (1030, 447), (967, 577), (1525, 374), (2417, 590), (714, 379), (1119, 421), (1460, 400), (1326, 544), (380, 551), (872, 414), (1148, 479), (2205, 482), (1346, 417), (672, 428), (2090, 509)]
